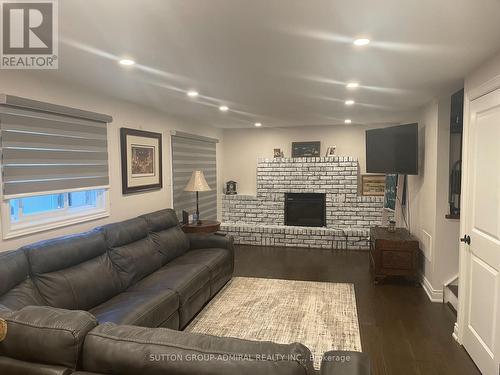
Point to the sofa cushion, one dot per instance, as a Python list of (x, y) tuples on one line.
[(24, 294), (14, 270), (167, 233), (16, 287), (145, 308), (74, 272), (127, 350), (218, 261), (191, 282), (132, 250)]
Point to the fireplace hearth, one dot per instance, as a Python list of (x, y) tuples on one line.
[(305, 209)]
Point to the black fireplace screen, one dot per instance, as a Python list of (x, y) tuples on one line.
[(305, 209)]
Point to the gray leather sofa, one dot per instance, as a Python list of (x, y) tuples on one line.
[(113, 301)]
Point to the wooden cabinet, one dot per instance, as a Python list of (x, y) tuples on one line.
[(393, 254)]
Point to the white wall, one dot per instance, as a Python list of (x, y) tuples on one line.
[(428, 199), (422, 188), (484, 73), (125, 114), (243, 147)]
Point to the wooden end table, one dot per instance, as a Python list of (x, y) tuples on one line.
[(206, 226), (393, 254)]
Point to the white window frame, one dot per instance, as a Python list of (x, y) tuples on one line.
[(34, 223)]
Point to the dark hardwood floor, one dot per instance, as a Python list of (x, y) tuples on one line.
[(402, 331)]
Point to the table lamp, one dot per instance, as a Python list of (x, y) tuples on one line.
[(197, 183)]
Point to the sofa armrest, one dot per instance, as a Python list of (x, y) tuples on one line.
[(204, 241), (47, 335), (345, 363), (15, 367)]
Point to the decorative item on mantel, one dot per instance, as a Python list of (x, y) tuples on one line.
[(306, 149), (330, 151), (197, 183), (231, 188), (278, 153)]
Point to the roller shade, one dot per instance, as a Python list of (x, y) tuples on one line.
[(47, 148), (190, 153)]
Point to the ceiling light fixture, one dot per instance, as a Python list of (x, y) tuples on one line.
[(258, 124), (192, 93), (347, 121), (127, 62), (352, 85), (223, 108), (349, 102), (361, 42)]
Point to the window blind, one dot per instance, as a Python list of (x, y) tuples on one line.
[(190, 153), (47, 148)]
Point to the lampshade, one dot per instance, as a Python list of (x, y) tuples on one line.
[(197, 182)]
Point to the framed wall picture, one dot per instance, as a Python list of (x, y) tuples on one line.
[(373, 185), (278, 153), (141, 160), (306, 149), (330, 151)]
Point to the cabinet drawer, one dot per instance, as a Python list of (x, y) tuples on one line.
[(397, 260), (397, 245)]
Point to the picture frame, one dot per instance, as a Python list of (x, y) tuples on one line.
[(391, 192), (306, 149), (330, 151), (373, 185), (141, 158)]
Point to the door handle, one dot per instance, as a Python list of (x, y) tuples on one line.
[(465, 239)]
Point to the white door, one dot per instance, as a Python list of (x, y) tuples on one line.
[(482, 222)]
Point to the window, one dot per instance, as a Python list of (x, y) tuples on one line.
[(42, 212), (189, 153), (54, 166)]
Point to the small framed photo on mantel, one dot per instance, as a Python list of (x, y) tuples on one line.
[(141, 160)]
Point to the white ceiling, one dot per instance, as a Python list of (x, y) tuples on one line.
[(279, 62)]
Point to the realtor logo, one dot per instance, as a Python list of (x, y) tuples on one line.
[(29, 37)]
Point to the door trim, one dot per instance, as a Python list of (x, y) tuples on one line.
[(464, 254)]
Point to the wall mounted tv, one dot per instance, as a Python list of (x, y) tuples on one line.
[(392, 150)]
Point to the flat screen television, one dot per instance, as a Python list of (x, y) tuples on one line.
[(392, 150)]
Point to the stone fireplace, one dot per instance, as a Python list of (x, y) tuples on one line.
[(261, 219)]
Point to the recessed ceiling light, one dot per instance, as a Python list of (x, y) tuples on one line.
[(192, 93), (258, 124), (347, 121), (127, 62), (352, 85), (223, 108), (361, 42), (349, 102)]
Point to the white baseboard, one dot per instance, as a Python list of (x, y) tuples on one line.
[(435, 295), (455, 333)]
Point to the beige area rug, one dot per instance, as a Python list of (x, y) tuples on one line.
[(322, 316)]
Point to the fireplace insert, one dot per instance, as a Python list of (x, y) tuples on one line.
[(305, 209)]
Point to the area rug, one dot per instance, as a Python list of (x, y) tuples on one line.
[(322, 316)]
